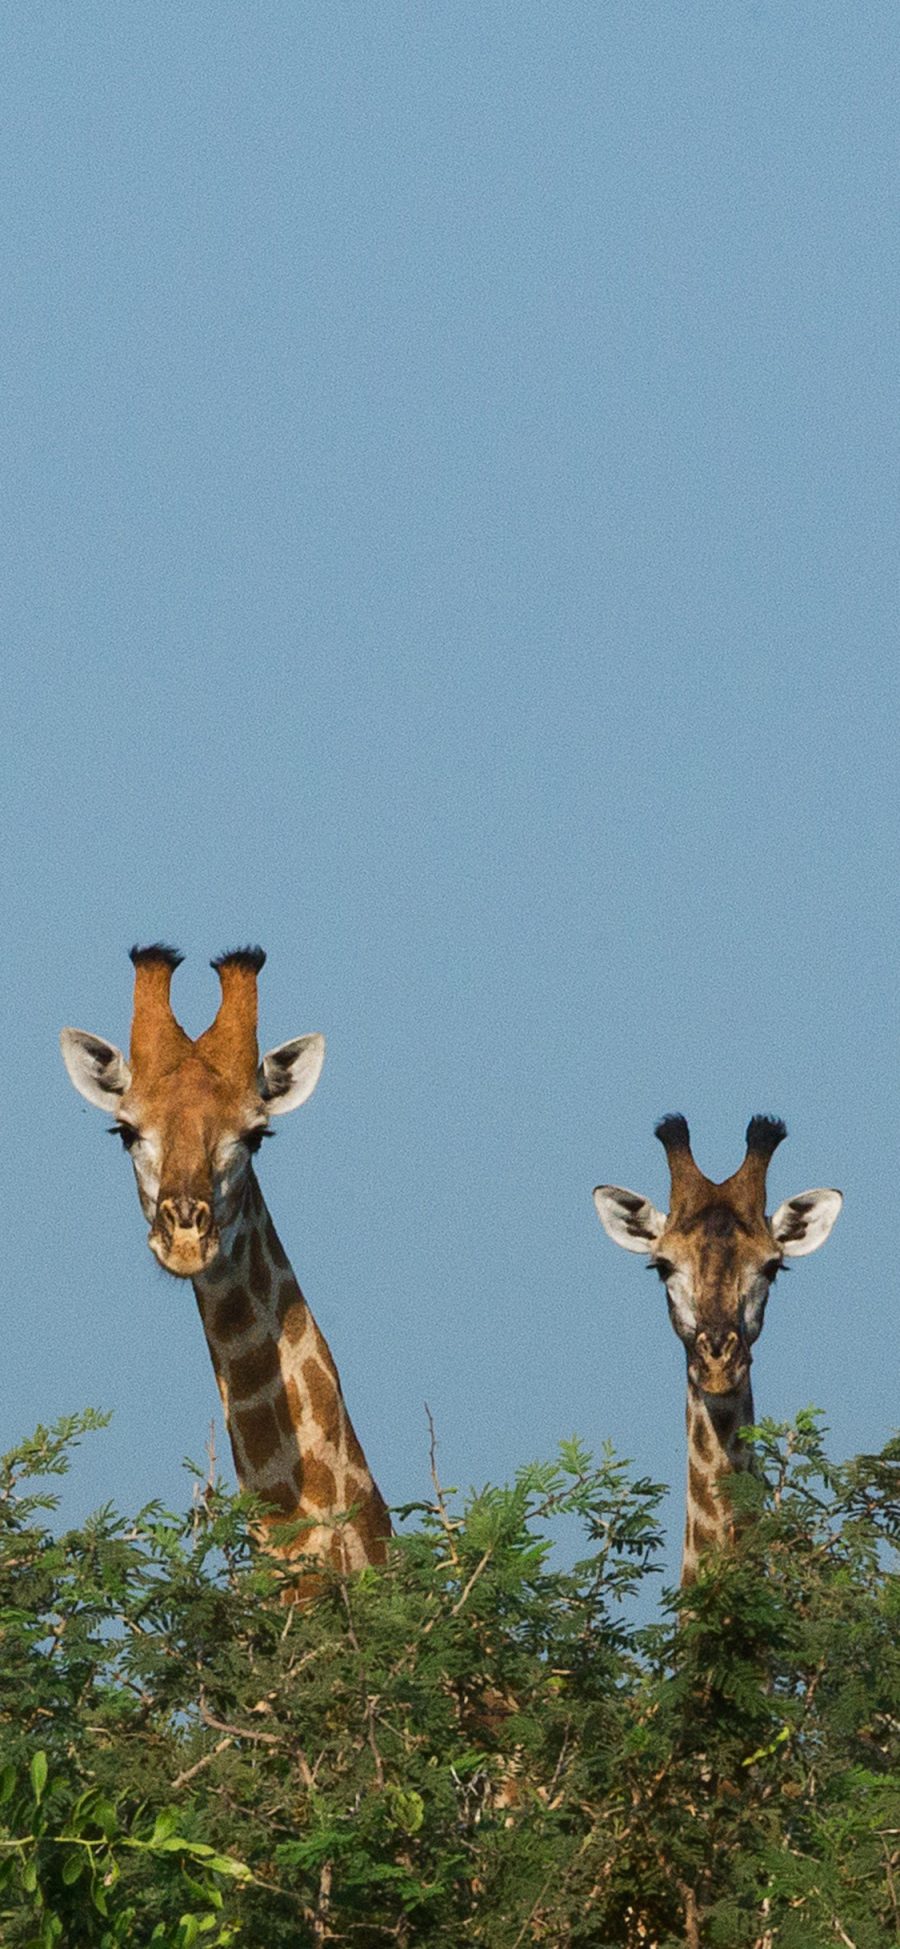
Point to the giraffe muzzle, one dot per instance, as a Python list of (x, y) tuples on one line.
[(719, 1362), (183, 1237)]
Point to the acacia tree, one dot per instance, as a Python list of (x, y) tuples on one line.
[(472, 1745)]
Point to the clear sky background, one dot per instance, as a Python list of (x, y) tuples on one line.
[(450, 537)]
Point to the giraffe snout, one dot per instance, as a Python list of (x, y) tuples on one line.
[(183, 1236), (184, 1215), (720, 1360), (722, 1345)]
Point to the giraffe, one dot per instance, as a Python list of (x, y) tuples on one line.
[(191, 1114), (717, 1255)]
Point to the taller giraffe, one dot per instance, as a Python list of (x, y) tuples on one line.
[(191, 1115), (717, 1254)]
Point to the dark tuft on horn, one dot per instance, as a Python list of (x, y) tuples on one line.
[(673, 1133), (157, 954), (250, 959), (764, 1134)]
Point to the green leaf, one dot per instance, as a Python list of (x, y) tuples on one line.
[(222, 1864), (73, 1866), (38, 1771), (407, 1810), (7, 1781), (200, 1893), (166, 1823)]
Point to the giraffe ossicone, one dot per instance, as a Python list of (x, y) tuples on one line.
[(192, 1113), (717, 1255)]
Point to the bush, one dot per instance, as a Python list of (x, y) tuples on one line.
[(472, 1746)]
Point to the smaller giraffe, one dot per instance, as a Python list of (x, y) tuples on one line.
[(717, 1255), (192, 1114)]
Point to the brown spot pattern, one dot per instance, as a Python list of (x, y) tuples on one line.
[(294, 1410), (319, 1485), (274, 1247), (283, 1495), (700, 1493), (283, 1413), (218, 1268), (294, 1322), (323, 1399), (700, 1438), (234, 1314), (323, 1352), (256, 1368), (373, 1527), (260, 1276), (259, 1434), (354, 1450)]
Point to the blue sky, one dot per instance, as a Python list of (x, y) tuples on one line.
[(450, 537)]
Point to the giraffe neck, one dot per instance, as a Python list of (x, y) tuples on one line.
[(292, 1439), (714, 1450)]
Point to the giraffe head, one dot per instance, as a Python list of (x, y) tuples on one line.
[(716, 1251), (192, 1113)]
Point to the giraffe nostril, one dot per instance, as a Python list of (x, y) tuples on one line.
[(718, 1345), (184, 1214)]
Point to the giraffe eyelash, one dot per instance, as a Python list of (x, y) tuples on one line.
[(127, 1133), (252, 1139)]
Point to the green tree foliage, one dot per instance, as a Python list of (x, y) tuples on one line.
[(473, 1746)]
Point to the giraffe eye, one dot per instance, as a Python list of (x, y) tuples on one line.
[(253, 1138), (127, 1133), (772, 1269), (664, 1267)]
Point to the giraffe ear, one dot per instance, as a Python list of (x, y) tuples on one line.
[(97, 1068), (289, 1074), (803, 1223), (628, 1218)]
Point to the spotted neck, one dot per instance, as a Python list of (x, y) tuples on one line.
[(292, 1439), (714, 1450)]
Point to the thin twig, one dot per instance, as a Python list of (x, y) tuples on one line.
[(238, 1732), (892, 1890), (202, 1497), (447, 1525), (259, 1739), (182, 1779), (323, 1903), (369, 1697), (691, 1923), (476, 1573)]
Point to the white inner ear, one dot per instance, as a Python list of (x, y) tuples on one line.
[(97, 1068), (628, 1218), (803, 1223), (289, 1074)]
